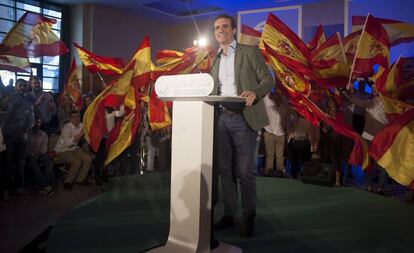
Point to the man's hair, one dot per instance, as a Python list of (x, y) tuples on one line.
[(35, 78), (233, 23), (73, 112)]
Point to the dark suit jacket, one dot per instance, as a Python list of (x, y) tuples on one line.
[(250, 73)]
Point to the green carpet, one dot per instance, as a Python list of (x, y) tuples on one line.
[(133, 215)]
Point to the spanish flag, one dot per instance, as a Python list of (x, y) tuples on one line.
[(394, 77), (249, 36), (158, 114), (398, 32), (330, 64), (95, 63), (350, 43), (137, 70), (14, 64), (373, 48), (286, 46), (72, 86), (393, 148), (125, 130), (317, 40), (32, 36), (192, 60)]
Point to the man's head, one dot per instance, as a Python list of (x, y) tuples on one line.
[(75, 118), (224, 29), (35, 83), (37, 124), (21, 86)]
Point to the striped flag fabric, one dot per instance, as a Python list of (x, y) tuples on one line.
[(72, 86), (393, 148), (397, 31), (249, 36), (373, 48), (32, 36), (95, 63), (330, 64), (317, 40), (14, 63)]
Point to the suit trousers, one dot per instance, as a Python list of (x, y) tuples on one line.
[(235, 144)]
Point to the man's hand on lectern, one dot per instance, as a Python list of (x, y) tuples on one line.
[(250, 97)]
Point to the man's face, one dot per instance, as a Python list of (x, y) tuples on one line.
[(223, 31), (36, 86), (20, 87), (75, 119)]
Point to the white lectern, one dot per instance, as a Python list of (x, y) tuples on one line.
[(191, 173)]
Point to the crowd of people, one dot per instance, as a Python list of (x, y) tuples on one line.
[(40, 129)]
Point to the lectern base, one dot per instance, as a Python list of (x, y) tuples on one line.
[(226, 248), (222, 248)]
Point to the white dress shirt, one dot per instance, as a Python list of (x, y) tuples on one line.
[(226, 72), (66, 138), (275, 122)]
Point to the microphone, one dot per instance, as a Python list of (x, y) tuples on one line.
[(218, 56), (202, 60)]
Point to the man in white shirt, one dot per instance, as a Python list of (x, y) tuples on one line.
[(68, 150), (275, 133)]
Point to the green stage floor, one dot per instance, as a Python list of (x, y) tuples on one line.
[(133, 215)]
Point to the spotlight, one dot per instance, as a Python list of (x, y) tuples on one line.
[(202, 42)]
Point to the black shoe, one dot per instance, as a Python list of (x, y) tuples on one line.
[(224, 222), (247, 225)]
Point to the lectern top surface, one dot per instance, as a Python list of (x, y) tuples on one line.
[(206, 99)]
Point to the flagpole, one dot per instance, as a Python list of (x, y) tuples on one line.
[(102, 80), (359, 42)]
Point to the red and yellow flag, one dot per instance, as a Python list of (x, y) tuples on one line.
[(317, 40), (14, 64), (373, 48), (350, 43), (286, 46), (330, 63), (393, 148), (158, 114), (138, 70), (398, 32), (104, 65), (72, 86), (394, 77), (32, 36), (125, 130), (249, 36), (192, 60)]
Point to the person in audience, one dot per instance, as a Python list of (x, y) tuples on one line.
[(18, 121), (43, 103), (331, 139), (37, 157), (87, 100), (299, 144), (65, 108), (68, 150), (275, 133), (375, 120), (5, 177)]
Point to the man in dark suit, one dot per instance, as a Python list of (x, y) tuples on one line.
[(238, 70)]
